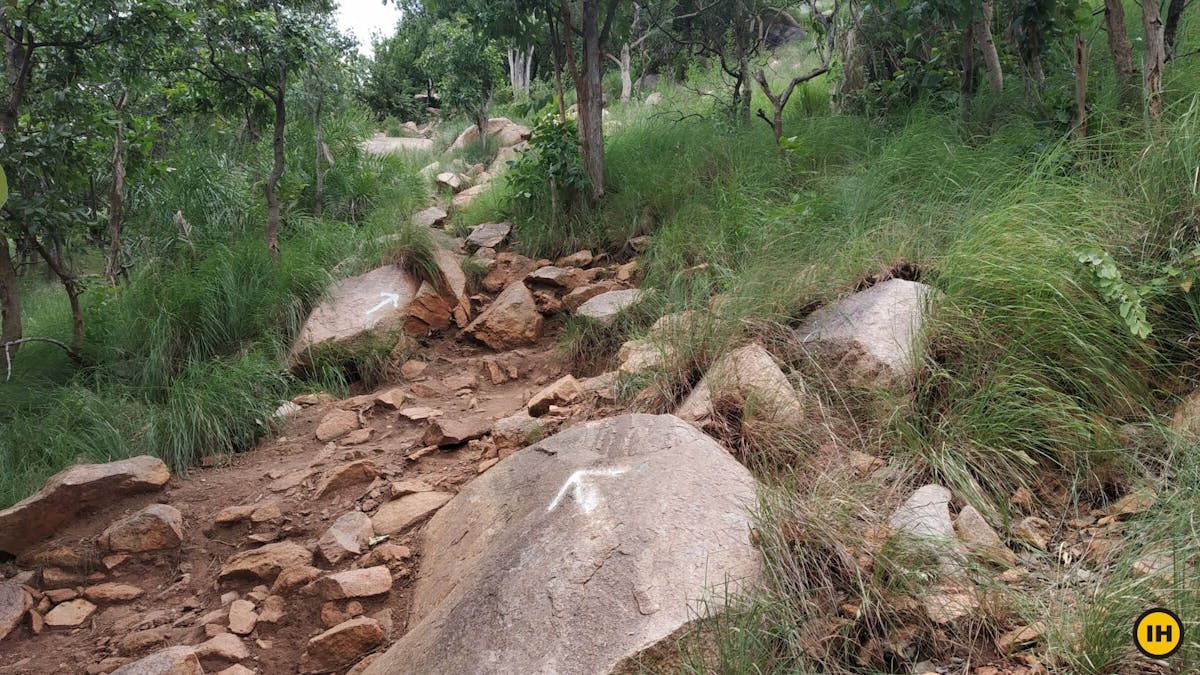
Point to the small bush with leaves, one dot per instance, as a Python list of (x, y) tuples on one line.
[(551, 171)]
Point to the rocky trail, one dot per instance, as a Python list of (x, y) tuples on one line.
[(487, 510)]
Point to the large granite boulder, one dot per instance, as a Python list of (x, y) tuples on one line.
[(872, 338), (74, 489), (580, 551), (501, 130)]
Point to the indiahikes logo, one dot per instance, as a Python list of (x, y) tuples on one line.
[(1158, 633)]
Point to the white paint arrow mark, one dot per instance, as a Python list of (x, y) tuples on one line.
[(587, 496), (393, 298)]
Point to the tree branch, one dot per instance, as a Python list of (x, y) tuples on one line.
[(7, 346)]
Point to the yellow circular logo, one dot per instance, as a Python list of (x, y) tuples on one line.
[(1158, 633)]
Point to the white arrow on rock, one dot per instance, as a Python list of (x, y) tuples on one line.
[(393, 298), (585, 495)]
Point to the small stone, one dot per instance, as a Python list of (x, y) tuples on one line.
[(430, 217), (487, 464), (517, 430), (384, 617), (392, 398), (360, 583), (1019, 638), (223, 647), (1033, 531), (112, 593), (242, 617), (445, 432), (236, 669), (341, 645), (606, 306), (14, 602), (461, 381), (234, 514), (1022, 499), (111, 562), (577, 259), (357, 437), (488, 235), (58, 595), (398, 515), (564, 390), (272, 609), (346, 538), (404, 487), (265, 562), (172, 661), (336, 424), (346, 475), (949, 607), (70, 614), (863, 463), (293, 578), (975, 532), (266, 513), (391, 555), (319, 398), (412, 369), (1133, 503), (419, 413), (628, 270), (641, 243), (563, 277), (154, 528)]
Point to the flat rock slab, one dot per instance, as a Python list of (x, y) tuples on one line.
[(266, 562), (74, 489), (385, 145), (580, 551), (430, 217), (871, 339), (396, 516), (374, 304), (489, 235), (173, 661), (605, 307)]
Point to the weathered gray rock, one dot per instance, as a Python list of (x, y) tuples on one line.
[(516, 430), (579, 551), (575, 299), (605, 307), (154, 528), (371, 305), (72, 490), (463, 199), (925, 516), (396, 516), (336, 424), (430, 217), (747, 375), (450, 180), (385, 145), (225, 647), (172, 661), (14, 602), (655, 98), (872, 338), (563, 277), (501, 131), (346, 538), (512, 320), (488, 235)]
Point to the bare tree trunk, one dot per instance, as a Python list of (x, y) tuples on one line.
[(1122, 53), (741, 40), (278, 166), (626, 74), (1174, 16), (528, 68), (54, 260), (116, 199), (554, 57), (987, 45), (966, 82), (1153, 57), (1081, 76), (10, 299)]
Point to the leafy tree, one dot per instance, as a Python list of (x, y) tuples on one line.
[(254, 48), (466, 67), (396, 75)]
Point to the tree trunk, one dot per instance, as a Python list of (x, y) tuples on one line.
[(116, 199), (319, 167), (55, 261), (1174, 15), (1122, 53), (591, 99), (10, 299), (1081, 75), (528, 69), (987, 45), (1153, 57), (626, 74), (966, 82), (741, 46), (556, 62), (277, 167)]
